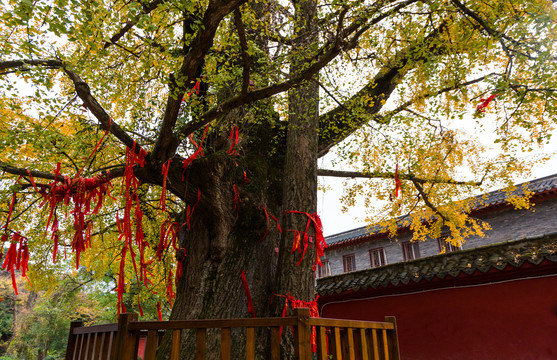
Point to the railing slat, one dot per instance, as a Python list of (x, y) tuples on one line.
[(175, 344), (275, 343), (350, 340), (393, 339), (385, 345), (337, 352), (375, 345), (93, 354), (322, 349), (84, 343), (250, 343), (151, 345), (110, 348), (77, 349), (79, 345), (225, 344), (364, 350), (201, 343)]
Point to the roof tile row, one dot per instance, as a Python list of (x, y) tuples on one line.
[(483, 259)]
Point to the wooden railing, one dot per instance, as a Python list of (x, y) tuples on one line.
[(334, 338)]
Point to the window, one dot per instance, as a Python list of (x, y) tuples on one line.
[(410, 250), (349, 263), (445, 246), (377, 257), (324, 269)]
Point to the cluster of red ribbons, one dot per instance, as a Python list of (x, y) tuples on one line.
[(484, 103), (315, 221), (131, 202), (17, 257), (83, 193), (296, 303)]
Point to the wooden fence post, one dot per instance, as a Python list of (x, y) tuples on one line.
[(72, 339), (126, 340), (302, 342), (393, 339)]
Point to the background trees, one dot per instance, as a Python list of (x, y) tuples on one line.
[(205, 119)]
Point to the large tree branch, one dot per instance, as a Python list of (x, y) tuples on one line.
[(26, 173), (147, 8), (83, 91), (428, 203), (493, 32), (243, 48), (391, 175), (167, 142), (337, 124), (345, 40)]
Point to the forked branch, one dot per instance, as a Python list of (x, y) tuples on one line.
[(391, 175)]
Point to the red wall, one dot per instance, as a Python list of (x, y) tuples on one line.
[(516, 319)]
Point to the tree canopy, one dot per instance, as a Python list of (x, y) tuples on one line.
[(166, 143)]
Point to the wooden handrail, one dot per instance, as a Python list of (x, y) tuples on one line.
[(341, 323), (339, 338), (212, 323)]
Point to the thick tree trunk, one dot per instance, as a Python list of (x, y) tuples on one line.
[(300, 172), (220, 244), (227, 237)]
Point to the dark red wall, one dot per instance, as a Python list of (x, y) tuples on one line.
[(516, 319)]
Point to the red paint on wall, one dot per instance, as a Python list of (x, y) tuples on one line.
[(516, 319)]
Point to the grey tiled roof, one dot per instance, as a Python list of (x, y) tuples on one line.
[(498, 256), (497, 197)]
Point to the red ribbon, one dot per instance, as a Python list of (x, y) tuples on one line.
[(189, 210), (198, 152), (12, 204), (234, 137), (484, 103), (267, 216), (251, 310), (237, 200), (170, 294), (159, 313), (165, 168), (96, 147), (397, 182)]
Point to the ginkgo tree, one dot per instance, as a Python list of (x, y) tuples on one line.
[(173, 145)]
